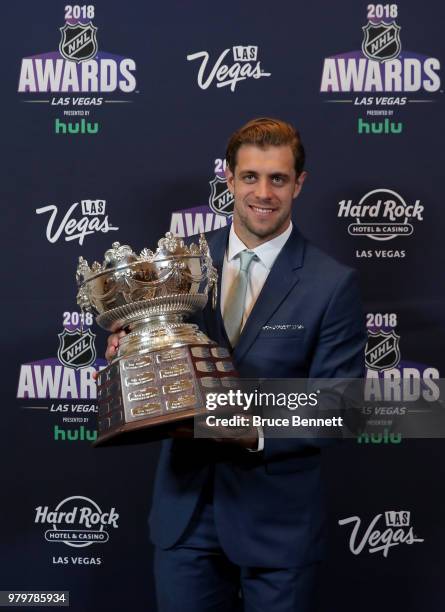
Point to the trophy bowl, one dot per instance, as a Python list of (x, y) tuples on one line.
[(163, 366)]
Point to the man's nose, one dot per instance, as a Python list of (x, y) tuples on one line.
[(263, 191)]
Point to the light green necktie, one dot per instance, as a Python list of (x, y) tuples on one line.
[(234, 307)]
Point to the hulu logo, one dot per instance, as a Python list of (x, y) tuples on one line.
[(80, 434), (379, 127), (386, 437), (76, 127)]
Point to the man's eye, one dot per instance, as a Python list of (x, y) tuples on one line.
[(278, 180), (249, 178)]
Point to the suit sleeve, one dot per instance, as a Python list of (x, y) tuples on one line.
[(340, 349), (338, 353)]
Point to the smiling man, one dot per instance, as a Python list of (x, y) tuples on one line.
[(265, 174), (239, 525)]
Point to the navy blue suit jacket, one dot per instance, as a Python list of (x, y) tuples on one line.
[(268, 506)]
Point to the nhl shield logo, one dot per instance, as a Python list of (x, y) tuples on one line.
[(220, 200), (78, 42), (76, 349), (382, 350), (381, 41)]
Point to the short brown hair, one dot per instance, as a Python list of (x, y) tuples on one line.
[(264, 132)]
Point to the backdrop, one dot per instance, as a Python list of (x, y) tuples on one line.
[(116, 117)]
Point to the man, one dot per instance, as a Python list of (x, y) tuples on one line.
[(246, 518)]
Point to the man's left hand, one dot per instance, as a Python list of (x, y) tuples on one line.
[(245, 437)]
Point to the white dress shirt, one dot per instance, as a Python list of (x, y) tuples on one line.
[(259, 269)]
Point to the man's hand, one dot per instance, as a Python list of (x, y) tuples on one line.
[(181, 430), (112, 344), (246, 440), (246, 437)]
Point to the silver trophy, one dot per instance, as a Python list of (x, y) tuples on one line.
[(163, 365)]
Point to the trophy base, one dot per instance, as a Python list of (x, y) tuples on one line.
[(142, 397)]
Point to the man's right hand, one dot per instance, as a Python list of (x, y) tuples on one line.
[(112, 344)]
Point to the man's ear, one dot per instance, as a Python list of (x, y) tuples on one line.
[(230, 178), (299, 183)]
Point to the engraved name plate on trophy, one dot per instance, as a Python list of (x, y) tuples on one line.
[(163, 366)]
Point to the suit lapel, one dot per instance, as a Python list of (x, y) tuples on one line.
[(212, 317), (281, 280)]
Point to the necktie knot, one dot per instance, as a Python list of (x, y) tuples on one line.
[(246, 258)]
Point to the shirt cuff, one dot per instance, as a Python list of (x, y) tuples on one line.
[(260, 446)]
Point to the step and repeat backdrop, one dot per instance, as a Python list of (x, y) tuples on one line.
[(116, 118)]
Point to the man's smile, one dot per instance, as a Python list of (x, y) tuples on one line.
[(262, 211)]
